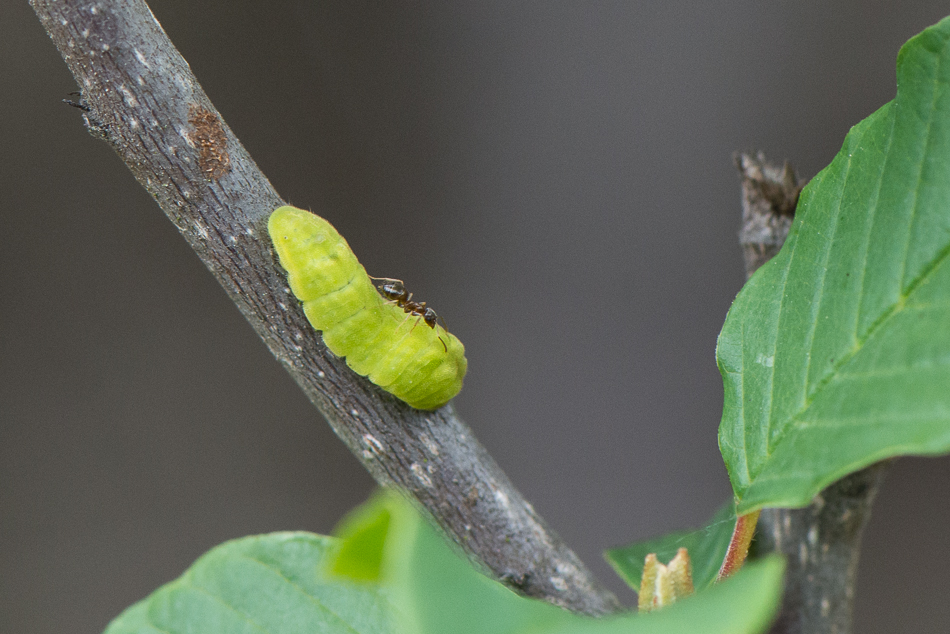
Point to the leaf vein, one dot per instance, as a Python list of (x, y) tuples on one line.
[(920, 173), (820, 283)]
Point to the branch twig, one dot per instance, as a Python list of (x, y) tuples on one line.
[(141, 97), (822, 541)]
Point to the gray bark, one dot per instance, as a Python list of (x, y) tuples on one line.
[(140, 96)]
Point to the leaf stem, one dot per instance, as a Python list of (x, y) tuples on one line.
[(739, 545)]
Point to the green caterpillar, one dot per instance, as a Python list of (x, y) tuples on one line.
[(424, 366)]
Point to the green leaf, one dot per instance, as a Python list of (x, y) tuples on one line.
[(433, 588), (707, 548), (267, 584), (437, 592), (743, 604), (277, 584), (836, 354), (362, 535)]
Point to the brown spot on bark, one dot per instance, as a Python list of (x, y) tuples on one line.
[(211, 141)]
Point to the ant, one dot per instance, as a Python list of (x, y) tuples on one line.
[(396, 292)]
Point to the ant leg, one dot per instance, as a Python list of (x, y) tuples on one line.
[(404, 321), (418, 319), (384, 279)]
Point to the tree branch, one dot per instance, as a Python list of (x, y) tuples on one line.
[(822, 541), (141, 97)]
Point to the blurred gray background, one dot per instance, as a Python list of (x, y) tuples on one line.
[(554, 177)]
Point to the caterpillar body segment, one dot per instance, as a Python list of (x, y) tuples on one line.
[(424, 366)]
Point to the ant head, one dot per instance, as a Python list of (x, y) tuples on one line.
[(429, 316)]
